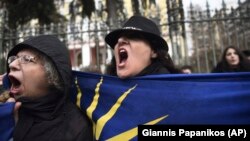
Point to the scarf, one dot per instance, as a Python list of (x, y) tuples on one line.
[(37, 117)]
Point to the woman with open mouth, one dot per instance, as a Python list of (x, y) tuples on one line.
[(139, 50), (39, 72)]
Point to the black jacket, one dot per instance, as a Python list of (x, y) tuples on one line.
[(53, 117), (154, 68), (224, 68)]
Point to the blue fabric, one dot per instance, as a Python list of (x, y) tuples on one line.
[(173, 99), (118, 106), (6, 121), (6, 82)]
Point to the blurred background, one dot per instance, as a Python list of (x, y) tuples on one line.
[(197, 31)]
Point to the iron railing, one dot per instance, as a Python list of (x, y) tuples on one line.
[(195, 37)]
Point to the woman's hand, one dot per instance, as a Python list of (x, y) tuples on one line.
[(16, 108)]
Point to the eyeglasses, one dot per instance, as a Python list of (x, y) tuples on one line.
[(24, 59)]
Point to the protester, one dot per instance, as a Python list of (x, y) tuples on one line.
[(139, 50), (232, 61), (187, 69), (39, 71)]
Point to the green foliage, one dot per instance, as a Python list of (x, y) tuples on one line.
[(81, 7), (88, 7), (21, 12)]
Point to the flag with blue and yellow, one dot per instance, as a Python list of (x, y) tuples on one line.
[(118, 106), (6, 121)]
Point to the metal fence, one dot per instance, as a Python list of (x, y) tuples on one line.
[(195, 37), (85, 41), (200, 38)]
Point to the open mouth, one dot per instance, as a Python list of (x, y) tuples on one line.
[(15, 85), (123, 55)]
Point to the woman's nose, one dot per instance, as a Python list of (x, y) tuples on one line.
[(14, 65), (122, 41)]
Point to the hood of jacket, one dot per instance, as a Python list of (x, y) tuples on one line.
[(52, 47)]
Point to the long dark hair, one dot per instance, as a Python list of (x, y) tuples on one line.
[(223, 66), (164, 59)]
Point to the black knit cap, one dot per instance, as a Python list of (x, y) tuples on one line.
[(143, 26)]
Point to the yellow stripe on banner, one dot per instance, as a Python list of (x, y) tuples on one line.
[(94, 103), (105, 118), (129, 134), (94, 128), (79, 94)]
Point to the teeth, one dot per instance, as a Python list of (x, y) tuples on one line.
[(122, 50)]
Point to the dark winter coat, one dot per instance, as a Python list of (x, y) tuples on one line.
[(154, 68), (224, 68)]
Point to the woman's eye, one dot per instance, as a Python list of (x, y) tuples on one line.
[(26, 59)]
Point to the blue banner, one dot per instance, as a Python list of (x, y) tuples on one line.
[(6, 121), (117, 106)]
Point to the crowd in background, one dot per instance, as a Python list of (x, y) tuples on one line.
[(232, 60)]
